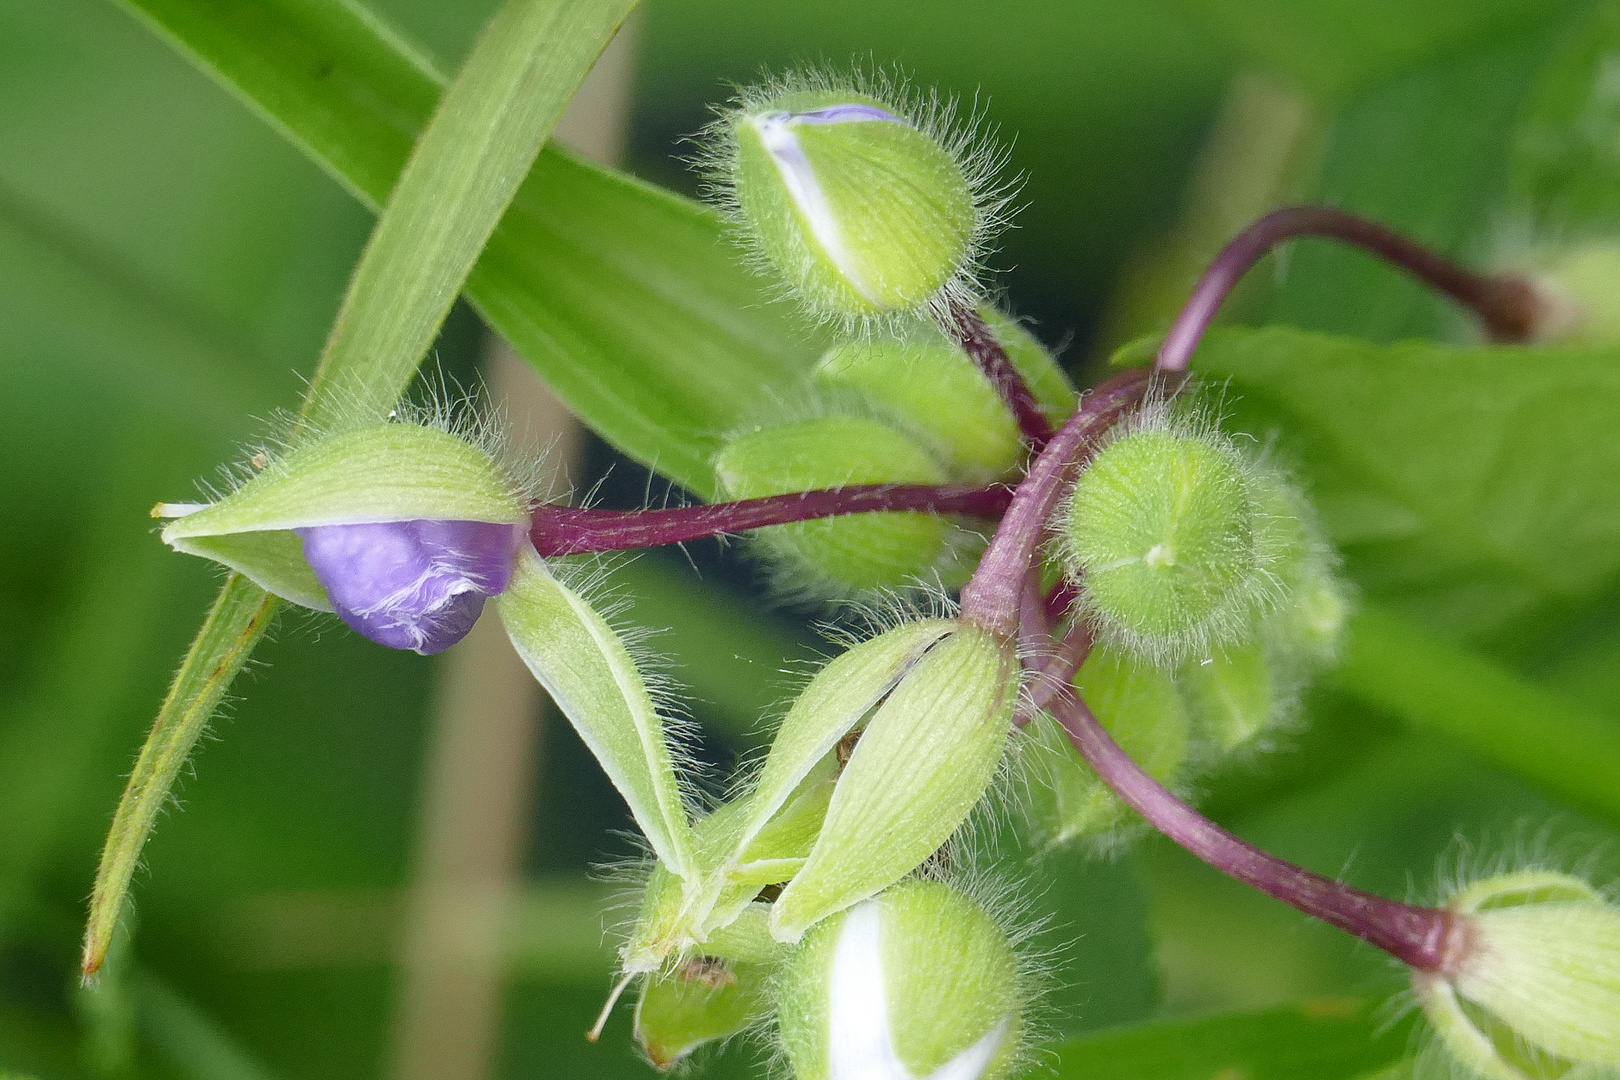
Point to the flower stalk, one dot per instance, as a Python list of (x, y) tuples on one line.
[(980, 343)]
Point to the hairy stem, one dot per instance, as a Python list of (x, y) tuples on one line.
[(1507, 304), (571, 530), (1427, 939), (992, 598), (981, 345)]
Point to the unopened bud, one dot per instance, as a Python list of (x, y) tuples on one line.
[(403, 530), (1580, 295), (866, 207), (703, 1000), (917, 982), (1533, 991)]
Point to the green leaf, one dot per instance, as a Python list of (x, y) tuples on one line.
[(1557, 744), (629, 301), (193, 1043), (590, 675), (1327, 1039), (464, 170), (234, 626)]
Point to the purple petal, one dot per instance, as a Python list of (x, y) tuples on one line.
[(844, 114), (416, 585)]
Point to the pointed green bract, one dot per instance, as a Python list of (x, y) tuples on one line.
[(703, 1000), (589, 673), (922, 763)]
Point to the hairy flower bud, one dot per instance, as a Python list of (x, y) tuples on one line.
[(857, 553), (1534, 990), (1163, 530), (1139, 706), (863, 202), (930, 384), (403, 530), (917, 982)]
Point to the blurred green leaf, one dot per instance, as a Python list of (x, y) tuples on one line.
[(1326, 1039), (462, 174), (193, 1043), (628, 300), (1465, 486)]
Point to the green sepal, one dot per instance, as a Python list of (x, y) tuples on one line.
[(923, 762), (900, 206), (382, 472), (850, 554), (1233, 694), (927, 381), (1140, 707), (703, 1000), (589, 673)]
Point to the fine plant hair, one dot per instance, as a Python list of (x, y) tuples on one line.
[(970, 141), (1196, 417)]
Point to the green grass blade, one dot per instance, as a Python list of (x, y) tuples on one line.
[(1554, 743), (626, 299), (1330, 1039), (461, 176), (233, 627)]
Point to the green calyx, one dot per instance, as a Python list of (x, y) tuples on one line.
[(864, 209), (704, 999), (862, 552), (1536, 993), (918, 981), (926, 382), (1163, 530)]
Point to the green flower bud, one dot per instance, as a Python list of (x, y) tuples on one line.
[(1535, 994), (393, 472), (917, 982), (926, 381), (1164, 529), (861, 552), (864, 206), (705, 999), (924, 759), (1583, 287), (1139, 706)]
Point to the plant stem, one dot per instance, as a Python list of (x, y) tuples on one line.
[(981, 345), (992, 598), (572, 530), (1507, 304), (1428, 939)]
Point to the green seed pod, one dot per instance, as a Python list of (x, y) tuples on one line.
[(919, 981), (924, 760), (1165, 531), (927, 382), (704, 1000), (864, 203), (1536, 993), (845, 556), (1139, 706)]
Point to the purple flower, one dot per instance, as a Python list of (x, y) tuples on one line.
[(416, 585)]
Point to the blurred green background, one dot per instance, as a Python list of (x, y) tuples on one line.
[(169, 267)]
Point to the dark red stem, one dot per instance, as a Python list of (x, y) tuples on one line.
[(981, 345), (992, 597), (1427, 939), (571, 530), (1508, 305)]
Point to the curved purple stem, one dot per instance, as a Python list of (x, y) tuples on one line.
[(1508, 305), (981, 345), (1428, 939), (991, 599), (571, 530)]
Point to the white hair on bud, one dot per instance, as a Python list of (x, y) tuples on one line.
[(969, 141)]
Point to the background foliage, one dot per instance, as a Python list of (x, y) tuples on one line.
[(169, 265)]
